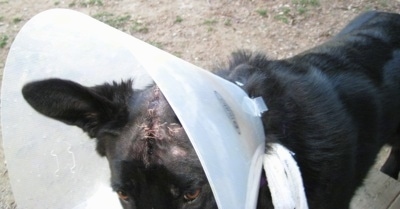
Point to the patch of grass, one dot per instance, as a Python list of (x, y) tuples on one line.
[(116, 21), (139, 27), (262, 12), (307, 3), (210, 22), (282, 18), (284, 15), (301, 10), (156, 44), (383, 3), (17, 20), (122, 22), (302, 6), (178, 19), (3, 40), (92, 3), (177, 54), (56, 3), (86, 3), (228, 22)]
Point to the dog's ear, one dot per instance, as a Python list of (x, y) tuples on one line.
[(90, 108)]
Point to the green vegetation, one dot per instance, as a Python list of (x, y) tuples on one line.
[(86, 3), (123, 22), (139, 27), (210, 22), (110, 19), (384, 3), (178, 19), (3, 40), (307, 3), (284, 15), (177, 54), (302, 6), (262, 12), (289, 12), (16, 20), (93, 3), (156, 44), (228, 22)]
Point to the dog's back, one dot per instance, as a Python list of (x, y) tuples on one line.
[(334, 105), (363, 65)]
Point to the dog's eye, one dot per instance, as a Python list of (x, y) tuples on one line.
[(122, 195), (192, 195)]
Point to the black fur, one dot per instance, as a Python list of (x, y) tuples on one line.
[(334, 106)]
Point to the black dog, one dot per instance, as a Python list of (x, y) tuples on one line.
[(334, 106)]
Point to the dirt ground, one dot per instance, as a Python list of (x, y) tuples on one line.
[(203, 32)]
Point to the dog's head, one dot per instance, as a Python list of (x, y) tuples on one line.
[(152, 162)]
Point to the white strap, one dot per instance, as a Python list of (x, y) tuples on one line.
[(284, 179)]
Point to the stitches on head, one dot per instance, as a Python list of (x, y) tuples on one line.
[(157, 133)]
